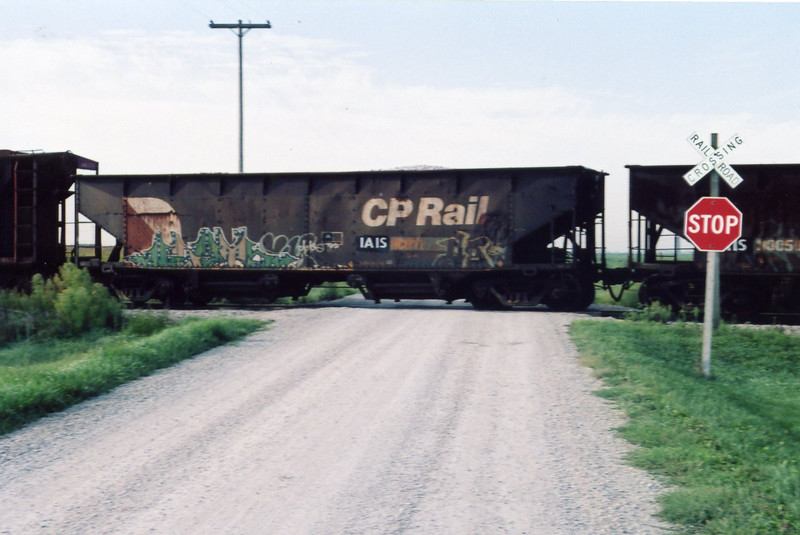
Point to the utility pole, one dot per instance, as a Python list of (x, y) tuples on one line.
[(240, 29)]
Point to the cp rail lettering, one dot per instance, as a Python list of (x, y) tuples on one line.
[(430, 211)]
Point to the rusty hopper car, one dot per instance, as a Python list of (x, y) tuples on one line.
[(496, 237), (760, 273), (34, 188)]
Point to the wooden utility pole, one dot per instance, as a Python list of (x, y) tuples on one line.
[(240, 28)]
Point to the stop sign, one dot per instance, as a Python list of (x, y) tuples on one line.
[(713, 224)]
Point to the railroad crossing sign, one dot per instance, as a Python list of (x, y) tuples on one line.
[(714, 159), (713, 224)]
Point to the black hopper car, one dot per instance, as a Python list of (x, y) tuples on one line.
[(34, 188), (760, 273), (495, 237)]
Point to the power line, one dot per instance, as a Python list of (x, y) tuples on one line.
[(250, 9), (193, 8), (228, 6)]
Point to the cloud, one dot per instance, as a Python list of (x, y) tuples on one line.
[(168, 102)]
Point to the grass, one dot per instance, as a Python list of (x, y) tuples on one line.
[(629, 297), (38, 377), (327, 292), (730, 447)]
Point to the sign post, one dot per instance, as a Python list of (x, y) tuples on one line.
[(712, 224)]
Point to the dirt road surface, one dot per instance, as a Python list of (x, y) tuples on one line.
[(357, 419)]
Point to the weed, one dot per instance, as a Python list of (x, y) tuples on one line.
[(654, 312), (321, 293), (66, 305), (146, 323)]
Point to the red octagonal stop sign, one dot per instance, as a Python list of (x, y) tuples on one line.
[(713, 224)]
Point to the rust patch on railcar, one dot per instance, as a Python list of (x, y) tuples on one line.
[(144, 217)]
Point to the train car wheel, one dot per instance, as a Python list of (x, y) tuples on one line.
[(566, 294), (673, 293), (483, 298), (587, 290), (741, 303), (199, 299), (644, 295), (170, 294)]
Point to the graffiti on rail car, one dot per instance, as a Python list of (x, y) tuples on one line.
[(212, 249), (467, 251)]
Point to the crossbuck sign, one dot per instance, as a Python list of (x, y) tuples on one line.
[(716, 159)]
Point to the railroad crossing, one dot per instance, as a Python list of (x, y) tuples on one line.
[(714, 160)]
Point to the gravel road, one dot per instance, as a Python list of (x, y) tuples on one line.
[(355, 419)]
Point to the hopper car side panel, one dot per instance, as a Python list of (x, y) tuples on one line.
[(494, 236)]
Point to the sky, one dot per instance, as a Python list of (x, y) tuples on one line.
[(147, 87)]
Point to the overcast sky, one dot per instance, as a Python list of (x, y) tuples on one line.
[(148, 87)]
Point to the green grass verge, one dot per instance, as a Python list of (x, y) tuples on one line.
[(729, 446), (41, 377)]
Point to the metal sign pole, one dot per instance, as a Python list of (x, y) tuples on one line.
[(712, 284), (711, 311)]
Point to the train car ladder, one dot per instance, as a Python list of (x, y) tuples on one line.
[(24, 227)]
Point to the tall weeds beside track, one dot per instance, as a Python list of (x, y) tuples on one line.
[(66, 305)]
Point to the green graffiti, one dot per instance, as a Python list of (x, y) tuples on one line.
[(160, 254), (211, 249)]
